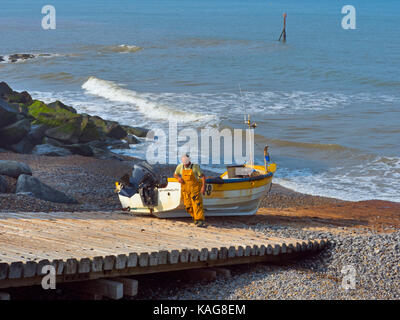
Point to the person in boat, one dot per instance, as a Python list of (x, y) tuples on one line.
[(193, 184)]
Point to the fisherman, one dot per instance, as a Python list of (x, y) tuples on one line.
[(193, 184)]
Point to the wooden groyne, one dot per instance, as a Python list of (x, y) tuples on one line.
[(94, 245)]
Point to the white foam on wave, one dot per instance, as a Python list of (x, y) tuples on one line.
[(378, 178), (113, 92)]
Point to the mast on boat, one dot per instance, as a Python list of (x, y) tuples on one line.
[(251, 125)]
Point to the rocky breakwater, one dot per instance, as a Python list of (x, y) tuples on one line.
[(55, 129)]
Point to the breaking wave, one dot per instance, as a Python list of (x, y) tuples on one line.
[(113, 92)]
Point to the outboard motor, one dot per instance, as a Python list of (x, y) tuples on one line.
[(146, 182)]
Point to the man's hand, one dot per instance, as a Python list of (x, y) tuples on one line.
[(180, 180), (203, 190)]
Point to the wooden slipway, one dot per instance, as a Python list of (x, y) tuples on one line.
[(93, 245)]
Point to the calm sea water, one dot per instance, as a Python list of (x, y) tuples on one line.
[(327, 101)]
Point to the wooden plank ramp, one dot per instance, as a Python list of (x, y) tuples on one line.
[(93, 245)]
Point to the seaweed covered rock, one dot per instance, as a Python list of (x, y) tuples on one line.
[(14, 168), (51, 116), (89, 130), (59, 106), (68, 132), (34, 187)]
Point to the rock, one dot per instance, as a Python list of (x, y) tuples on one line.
[(117, 144), (33, 186), (49, 150), (20, 56), (111, 129), (89, 131), (37, 133), (136, 131), (4, 89), (68, 132), (81, 149), (23, 146), (131, 139), (19, 98), (115, 131), (7, 113), (58, 105), (51, 116), (3, 184), (14, 168), (13, 133), (53, 142)]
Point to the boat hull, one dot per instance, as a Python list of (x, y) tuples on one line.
[(223, 197)]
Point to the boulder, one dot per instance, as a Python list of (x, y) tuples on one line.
[(37, 133), (53, 142), (49, 150), (68, 133), (14, 168), (8, 114), (19, 98), (89, 131), (3, 184), (4, 89), (14, 132), (53, 116), (81, 149), (20, 56), (116, 144), (136, 131), (59, 106), (23, 146), (131, 139), (33, 186), (115, 131)]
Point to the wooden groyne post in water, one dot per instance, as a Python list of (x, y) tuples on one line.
[(283, 33)]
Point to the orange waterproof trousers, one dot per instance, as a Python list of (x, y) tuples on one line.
[(192, 198)]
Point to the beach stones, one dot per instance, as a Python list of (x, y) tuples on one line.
[(14, 168), (30, 185)]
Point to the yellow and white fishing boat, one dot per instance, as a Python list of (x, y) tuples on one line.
[(236, 192)]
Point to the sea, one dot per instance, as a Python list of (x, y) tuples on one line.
[(327, 101)]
